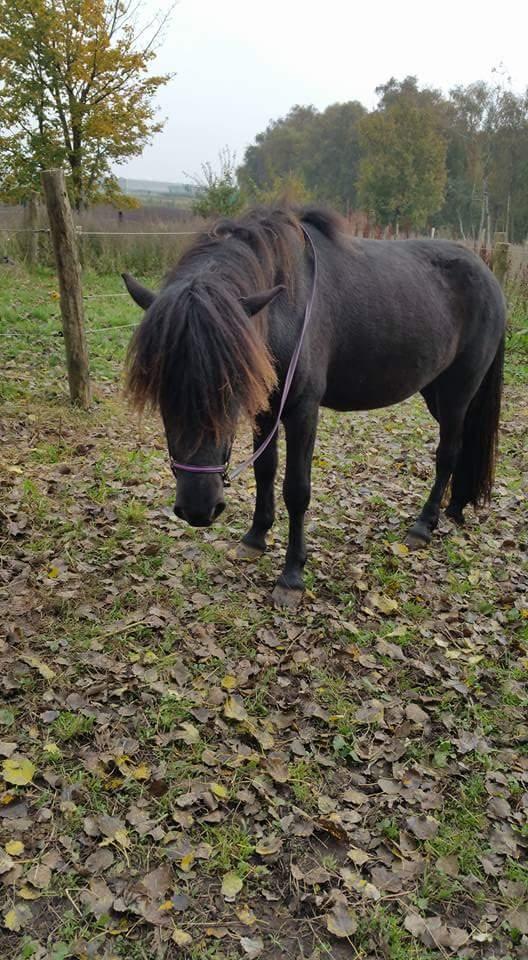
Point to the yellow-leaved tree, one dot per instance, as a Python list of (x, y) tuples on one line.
[(75, 91)]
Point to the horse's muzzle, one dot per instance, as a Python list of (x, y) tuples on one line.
[(199, 518)]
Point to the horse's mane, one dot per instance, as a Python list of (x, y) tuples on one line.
[(197, 355)]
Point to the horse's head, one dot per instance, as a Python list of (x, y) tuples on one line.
[(199, 357)]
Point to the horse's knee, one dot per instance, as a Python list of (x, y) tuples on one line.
[(447, 455), (297, 497)]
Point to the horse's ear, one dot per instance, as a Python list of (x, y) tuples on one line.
[(258, 301), (141, 295)]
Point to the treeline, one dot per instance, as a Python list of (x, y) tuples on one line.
[(419, 160)]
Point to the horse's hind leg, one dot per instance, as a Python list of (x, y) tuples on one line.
[(450, 411), (254, 541), (466, 401)]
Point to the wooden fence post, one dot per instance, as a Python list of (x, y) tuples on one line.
[(32, 219), (64, 242), (501, 257)]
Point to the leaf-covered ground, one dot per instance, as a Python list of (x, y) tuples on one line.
[(187, 772)]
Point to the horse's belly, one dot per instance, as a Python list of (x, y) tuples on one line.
[(364, 399), (358, 386)]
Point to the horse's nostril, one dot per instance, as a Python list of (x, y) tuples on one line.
[(220, 507)]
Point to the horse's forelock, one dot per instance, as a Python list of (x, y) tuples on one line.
[(197, 355), (200, 359)]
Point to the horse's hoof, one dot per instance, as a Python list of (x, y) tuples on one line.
[(417, 538), (284, 598), (245, 552)]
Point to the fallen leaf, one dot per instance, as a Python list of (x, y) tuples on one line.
[(98, 898), (354, 796), (188, 733), (109, 826), (180, 937), (253, 948), (14, 847), (18, 917), (357, 856), (157, 882), (245, 915), (29, 893), (370, 712), (231, 885), (518, 919), (6, 863), (187, 861), (341, 921), (433, 933), (42, 668), (141, 772), (316, 876), (415, 713), (269, 846), (234, 709), (100, 860), (399, 549), (423, 827), (18, 770), (277, 769), (39, 876), (387, 880), (354, 881), (384, 604), (219, 791)]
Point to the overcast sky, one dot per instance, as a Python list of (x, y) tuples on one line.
[(241, 63)]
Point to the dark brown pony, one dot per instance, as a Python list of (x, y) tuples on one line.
[(390, 319)]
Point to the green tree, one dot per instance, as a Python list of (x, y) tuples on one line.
[(319, 149), (402, 173), (74, 90), (331, 163), (289, 190), (279, 150), (490, 133)]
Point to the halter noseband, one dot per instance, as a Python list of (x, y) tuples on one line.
[(191, 468), (223, 469)]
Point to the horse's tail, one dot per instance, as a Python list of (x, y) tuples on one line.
[(475, 471)]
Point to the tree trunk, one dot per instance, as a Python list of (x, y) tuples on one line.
[(501, 257), (507, 224), (32, 249), (76, 169), (483, 208)]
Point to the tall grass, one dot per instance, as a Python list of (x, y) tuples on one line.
[(517, 297), (139, 241)]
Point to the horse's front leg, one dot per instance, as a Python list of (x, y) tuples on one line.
[(301, 427), (265, 467)]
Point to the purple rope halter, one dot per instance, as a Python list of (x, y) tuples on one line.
[(224, 467)]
